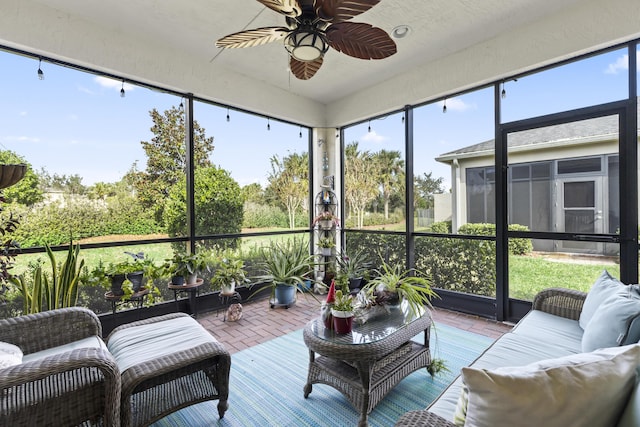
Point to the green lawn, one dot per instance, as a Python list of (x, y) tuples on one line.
[(528, 275)]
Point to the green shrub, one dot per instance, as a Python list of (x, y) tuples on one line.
[(264, 216), (516, 246), (442, 227), (219, 207)]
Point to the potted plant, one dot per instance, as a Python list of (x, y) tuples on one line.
[(352, 268), (284, 265), (125, 277), (326, 245), (392, 284), (326, 220), (229, 272), (184, 267), (342, 312)]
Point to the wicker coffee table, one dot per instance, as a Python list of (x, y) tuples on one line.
[(367, 363)]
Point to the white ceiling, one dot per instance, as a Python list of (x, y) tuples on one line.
[(454, 44)]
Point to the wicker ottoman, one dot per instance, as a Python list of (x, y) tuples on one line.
[(168, 363)]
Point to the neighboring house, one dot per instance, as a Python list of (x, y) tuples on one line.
[(561, 178)]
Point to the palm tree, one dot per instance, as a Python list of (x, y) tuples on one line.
[(390, 175)]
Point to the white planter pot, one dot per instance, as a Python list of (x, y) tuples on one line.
[(326, 251), (229, 289), (191, 279)]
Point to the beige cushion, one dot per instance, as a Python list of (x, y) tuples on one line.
[(88, 342), (10, 355), (586, 389)]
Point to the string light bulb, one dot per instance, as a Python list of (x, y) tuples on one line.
[(444, 107), (228, 117), (40, 72), (181, 104), (369, 128), (503, 94), (300, 131), (268, 123), (122, 90)]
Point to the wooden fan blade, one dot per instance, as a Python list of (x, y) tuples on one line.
[(304, 70), (341, 10), (360, 40), (252, 38), (289, 8)]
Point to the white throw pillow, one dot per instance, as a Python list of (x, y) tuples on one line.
[(9, 355), (586, 389), (604, 286)]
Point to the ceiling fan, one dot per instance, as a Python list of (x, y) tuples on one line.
[(312, 27)]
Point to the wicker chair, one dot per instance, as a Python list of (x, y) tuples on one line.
[(76, 387)]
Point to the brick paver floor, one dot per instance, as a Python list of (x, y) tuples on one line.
[(261, 323)]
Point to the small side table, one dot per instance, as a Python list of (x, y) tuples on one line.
[(226, 300), (137, 298), (192, 289)]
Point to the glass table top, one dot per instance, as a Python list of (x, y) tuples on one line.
[(373, 330)]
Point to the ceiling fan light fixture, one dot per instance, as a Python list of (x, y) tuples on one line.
[(306, 44)]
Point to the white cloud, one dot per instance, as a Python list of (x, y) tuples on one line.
[(373, 137), (73, 117), (22, 113), (621, 64), (21, 138), (86, 90), (113, 84), (456, 104)]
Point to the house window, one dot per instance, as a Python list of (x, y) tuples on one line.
[(481, 186)]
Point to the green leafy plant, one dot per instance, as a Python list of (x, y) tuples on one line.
[(185, 264), (342, 301), (326, 242), (284, 263), (57, 289), (228, 268), (392, 279), (353, 265)]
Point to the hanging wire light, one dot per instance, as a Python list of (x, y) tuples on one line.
[(369, 128), (228, 117), (122, 90), (300, 131), (40, 72), (444, 107), (268, 123), (503, 94)]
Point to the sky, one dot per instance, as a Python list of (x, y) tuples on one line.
[(76, 123)]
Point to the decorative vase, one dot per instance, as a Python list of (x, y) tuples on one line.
[(177, 280), (355, 284), (116, 284), (192, 279), (342, 321), (136, 280), (285, 294)]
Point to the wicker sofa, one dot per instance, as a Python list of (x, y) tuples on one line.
[(67, 376), (551, 332)]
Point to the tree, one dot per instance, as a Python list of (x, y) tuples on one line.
[(253, 193), (218, 210), (390, 175), (167, 157), (289, 183), (425, 186), (361, 186), (27, 191)]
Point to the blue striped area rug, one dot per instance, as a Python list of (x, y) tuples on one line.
[(267, 381)]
